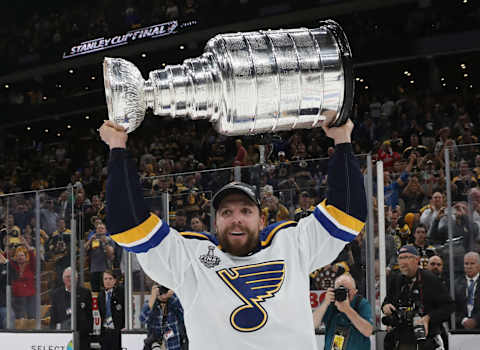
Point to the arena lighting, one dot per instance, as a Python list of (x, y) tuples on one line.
[(7, 86), (465, 1), (143, 55), (357, 78), (46, 130), (444, 84), (29, 128), (45, 98), (361, 80), (406, 72), (412, 81), (442, 79), (86, 87), (366, 87), (182, 47), (71, 71), (471, 86), (465, 75), (164, 64), (463, 66), (58, 85), (58, 134), (87, 117), (69, 126), (93, 77)]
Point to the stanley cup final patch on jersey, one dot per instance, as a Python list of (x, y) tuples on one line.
[(253, 284), (210, 260)]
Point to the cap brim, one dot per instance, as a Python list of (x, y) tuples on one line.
[(230, 189)]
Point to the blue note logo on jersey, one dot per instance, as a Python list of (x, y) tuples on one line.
[(253, 284)]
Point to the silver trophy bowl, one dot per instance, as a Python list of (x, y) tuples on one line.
[(244, 83)]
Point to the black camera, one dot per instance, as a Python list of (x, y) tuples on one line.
[(152, 343), (340, 293), (401, 316)]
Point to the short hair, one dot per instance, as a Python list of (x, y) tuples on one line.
[(420, 225), (473, 254)]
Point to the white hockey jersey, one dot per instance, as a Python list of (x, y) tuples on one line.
[(260, 301)]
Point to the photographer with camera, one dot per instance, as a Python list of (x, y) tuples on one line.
[(347, 316), (415, 306), (163, 315)]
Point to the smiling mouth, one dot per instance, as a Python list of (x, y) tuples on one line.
[(236, 233)]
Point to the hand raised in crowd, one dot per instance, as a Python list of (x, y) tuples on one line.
[(113, 135)]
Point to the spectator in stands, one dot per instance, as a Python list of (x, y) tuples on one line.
[(272, 210), (96, 209), (413, 195), (467, 293), (435, 265), (111, 305), (462, 183), (22, 270), (425, 250), (180, 221), (415, 147), (100, 250), (30, 237), (444, 135), (392, 189), (387, 155), (197, 224), (3, 290), (241, 156), (61, 310), (305, 206), (431, 212), (463, 227), (61, 234), (49, 216), (9, 233)]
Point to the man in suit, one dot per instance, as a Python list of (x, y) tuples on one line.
[(111, 304), (467, 293), (61, 311)]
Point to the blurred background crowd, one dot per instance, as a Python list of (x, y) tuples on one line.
[(406, 114)]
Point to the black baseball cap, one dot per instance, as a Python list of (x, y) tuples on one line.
[(235, 187)]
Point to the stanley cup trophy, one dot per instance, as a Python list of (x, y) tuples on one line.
[(244, 83)]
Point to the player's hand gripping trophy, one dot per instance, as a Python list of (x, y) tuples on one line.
[(244, 83)]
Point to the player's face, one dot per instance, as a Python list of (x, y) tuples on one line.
[(238, 222)]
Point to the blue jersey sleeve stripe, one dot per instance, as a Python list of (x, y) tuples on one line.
[(341, 219), (155, 240), (331, 228)]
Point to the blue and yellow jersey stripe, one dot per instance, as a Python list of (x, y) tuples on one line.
[(143, 237), (338, 223)]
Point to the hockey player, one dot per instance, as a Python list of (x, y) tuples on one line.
[(248, 289)]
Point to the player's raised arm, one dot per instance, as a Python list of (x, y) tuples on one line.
[(346, 200), (129, 222), (126, 207), (341, 216)]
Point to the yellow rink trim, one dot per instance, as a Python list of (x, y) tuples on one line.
[(343, 218), (137, 233)]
